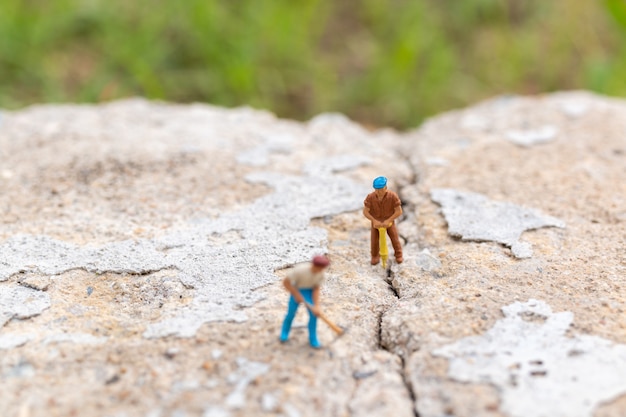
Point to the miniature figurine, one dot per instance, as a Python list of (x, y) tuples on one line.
[(303, 283), (382, 208)]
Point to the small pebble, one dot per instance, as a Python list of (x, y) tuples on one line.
[(171, 352), (363, 374)]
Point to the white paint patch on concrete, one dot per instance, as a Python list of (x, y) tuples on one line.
[(79, 338), (11, 341), (260, 155), (338, 163), (215, 411), (538, 370), (574, 108), (42, 254), (21, 302), (473, 216), (247, 372), (437, 161), (426, 261), (530, 137), (269, 402)]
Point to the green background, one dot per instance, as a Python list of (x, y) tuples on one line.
[(383, 63)]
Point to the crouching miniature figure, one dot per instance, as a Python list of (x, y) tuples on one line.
[(303, 283), (382, 208)]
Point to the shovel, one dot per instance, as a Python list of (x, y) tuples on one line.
[(326, 320)]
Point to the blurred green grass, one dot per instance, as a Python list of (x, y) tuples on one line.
[(383, 63)]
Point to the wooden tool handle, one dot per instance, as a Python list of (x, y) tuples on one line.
[(332, 325)]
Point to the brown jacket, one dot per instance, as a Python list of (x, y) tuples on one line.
[(382, 209)]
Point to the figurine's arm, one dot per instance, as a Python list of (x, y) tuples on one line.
[(397, 212), (375, 223), (293, 290)]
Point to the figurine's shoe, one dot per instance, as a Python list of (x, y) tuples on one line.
[(375, 261), (283, 339), (315, 344), (399, 259)]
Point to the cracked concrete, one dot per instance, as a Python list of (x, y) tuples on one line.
[(143, 244)]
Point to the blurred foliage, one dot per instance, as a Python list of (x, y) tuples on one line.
[(391, 62)]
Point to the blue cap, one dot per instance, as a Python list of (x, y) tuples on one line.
[(380, 182)]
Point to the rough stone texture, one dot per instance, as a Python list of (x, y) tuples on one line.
[(241, 379), (142, 247)]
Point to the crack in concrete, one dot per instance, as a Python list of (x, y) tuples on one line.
[(389, 280), (382, 346), (408, 207), (392, 285), (407, 383)]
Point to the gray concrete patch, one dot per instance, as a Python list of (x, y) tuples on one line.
[(538, 370), (473, 216)]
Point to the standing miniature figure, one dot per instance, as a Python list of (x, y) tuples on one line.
[(382, 208), (303, 283)]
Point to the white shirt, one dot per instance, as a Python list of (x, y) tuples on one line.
[(301, 276)]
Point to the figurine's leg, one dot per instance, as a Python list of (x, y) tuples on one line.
[(374, 248), (291, 313), (308, 296), (395, 241)]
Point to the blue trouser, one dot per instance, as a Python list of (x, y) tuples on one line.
[(307, 293)]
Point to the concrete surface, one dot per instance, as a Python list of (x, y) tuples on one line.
[(142, 247)]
